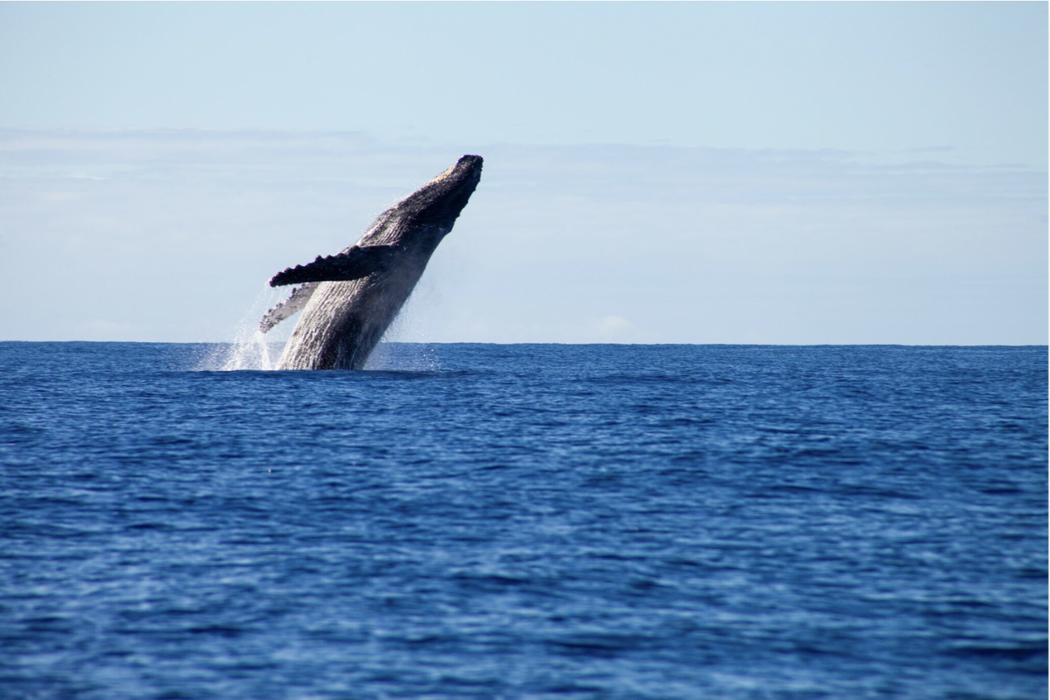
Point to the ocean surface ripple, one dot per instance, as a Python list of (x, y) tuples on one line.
[(525, 521)]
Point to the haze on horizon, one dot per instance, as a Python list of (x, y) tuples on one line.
[(687, 172)]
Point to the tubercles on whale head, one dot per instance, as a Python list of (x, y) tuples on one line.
[(442, 199)]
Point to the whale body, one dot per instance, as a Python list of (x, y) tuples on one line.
[(348, 300)]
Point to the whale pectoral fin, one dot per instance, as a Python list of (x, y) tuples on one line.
[(294, 303), (354, 264)]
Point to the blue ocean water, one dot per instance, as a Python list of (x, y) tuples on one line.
[(541, 521)]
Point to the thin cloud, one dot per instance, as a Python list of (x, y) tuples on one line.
[(175, 231)]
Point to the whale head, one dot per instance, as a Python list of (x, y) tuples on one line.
[(440, 201)]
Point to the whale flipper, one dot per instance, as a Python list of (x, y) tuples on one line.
[(294, 303), (354, 263)]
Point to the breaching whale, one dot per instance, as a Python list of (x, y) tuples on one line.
[(348, 300)]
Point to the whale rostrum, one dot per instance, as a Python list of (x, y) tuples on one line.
[(348, 300)]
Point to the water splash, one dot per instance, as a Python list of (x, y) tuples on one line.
[(251, 349), (394, 354), (252, 353)]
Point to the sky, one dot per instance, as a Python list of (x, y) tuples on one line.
[(679, 173)]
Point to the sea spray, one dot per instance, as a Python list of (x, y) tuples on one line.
[(250, 348), (252, 353), (395, 353)]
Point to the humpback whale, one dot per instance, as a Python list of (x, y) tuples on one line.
[(348, 300)]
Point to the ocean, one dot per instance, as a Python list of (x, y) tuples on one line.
[(524, 521)]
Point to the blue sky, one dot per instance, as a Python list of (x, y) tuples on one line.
[(685, 172)]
